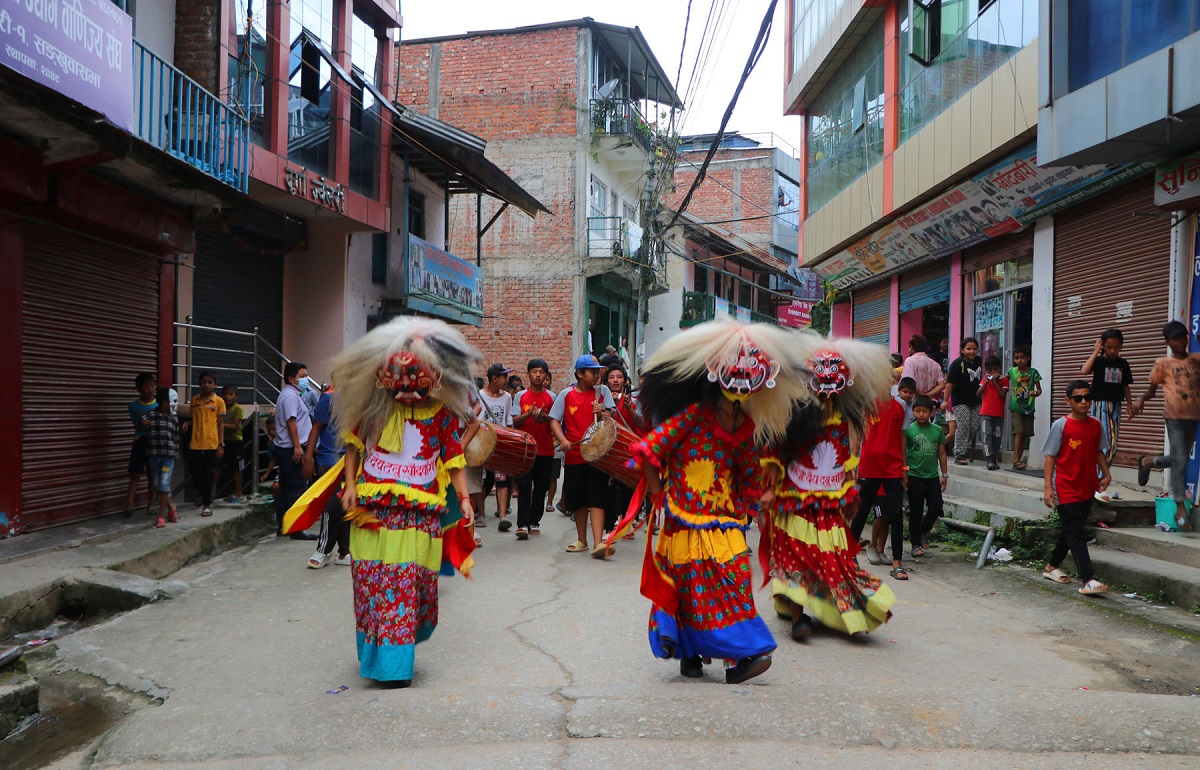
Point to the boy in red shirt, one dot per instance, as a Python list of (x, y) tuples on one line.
[(882, 467), (585, 487), (531, 413), (1074, 450), (993, 391)]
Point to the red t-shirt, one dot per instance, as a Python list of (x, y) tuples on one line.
[(539, 430), (576, 419), (1075, 478), (883, 446), (993, 398)]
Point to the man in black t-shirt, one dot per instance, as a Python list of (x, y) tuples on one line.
[(1111, 381)]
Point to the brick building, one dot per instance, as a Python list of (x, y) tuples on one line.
[(568, 110)]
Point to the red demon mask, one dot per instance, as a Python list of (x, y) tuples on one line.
[(744, 373), (830, 374), (408, 378)]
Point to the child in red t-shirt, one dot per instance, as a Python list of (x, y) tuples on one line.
[(1074, 450), (882, 468), (585, 487), (993, 391)]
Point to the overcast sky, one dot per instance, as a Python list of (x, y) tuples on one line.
[(760, 107)]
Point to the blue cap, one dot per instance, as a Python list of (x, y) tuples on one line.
[(587, 362)]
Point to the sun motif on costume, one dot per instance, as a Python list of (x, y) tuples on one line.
[(744, 373), (407, 377), (830, 374)]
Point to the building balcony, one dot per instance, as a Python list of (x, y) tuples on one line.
[(175, 114), (699, 307), (616, 238), (621, 118)]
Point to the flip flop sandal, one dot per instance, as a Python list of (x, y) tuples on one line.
[(899, 573), (577, 547), (918, 551), (1057, 576), (1093, 587), (603, 551)]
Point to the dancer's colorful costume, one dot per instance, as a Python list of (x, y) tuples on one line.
[(807, 550), (698, 577), (405, 448)]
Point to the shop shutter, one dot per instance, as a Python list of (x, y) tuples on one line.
[(1112, 269), (871, 306), (236, 287), (90, 314), (925, 286)]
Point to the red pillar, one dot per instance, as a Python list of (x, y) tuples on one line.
[(343, 15), (279, 37), (166, 324), (891, 104), (12, 267)]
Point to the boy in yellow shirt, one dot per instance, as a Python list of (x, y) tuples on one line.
[(208, 440)]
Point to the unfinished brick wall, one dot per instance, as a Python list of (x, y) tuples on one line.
[(513, 86), (197, 36), (518, 92), (731, 191)]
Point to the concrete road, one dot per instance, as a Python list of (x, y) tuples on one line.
[(541, 661)]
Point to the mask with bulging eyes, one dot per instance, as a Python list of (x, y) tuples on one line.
[(744, 373), (408, 378), (830, 374)]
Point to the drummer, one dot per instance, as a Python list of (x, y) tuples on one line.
[(585, 488), (496, 408), (628, 414), (531, 413)]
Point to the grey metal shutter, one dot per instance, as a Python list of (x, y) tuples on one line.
[(237, 288), (90, 311), (871, 312), (925, 286), (1112, 267)]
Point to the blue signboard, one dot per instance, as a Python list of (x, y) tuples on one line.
[(441, 284), (82, 49)]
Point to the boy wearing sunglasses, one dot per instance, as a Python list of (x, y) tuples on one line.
[(1074, 450)]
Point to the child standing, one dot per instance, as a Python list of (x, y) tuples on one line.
[(1179, 376), (1111, 381), (138, 467), (963, 379), (162, 445), (585, 487), (1025, 385), (235, 445), (992, 392), (925, 453), (881, 469), (1076, 468), (207, 445)]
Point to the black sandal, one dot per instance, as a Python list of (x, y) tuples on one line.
[(899, 573)]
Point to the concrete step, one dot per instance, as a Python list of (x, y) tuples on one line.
[(1005, 520), (999, 494), (1181, 548), (1176, 583), (1005, 475)]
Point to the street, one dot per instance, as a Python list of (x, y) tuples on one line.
[(541, 661)]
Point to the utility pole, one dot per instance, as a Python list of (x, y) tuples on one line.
[(645, 270)]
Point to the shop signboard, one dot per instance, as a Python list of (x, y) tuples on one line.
[(1006, 197), (989, 314), (1028, 192), (83, 49), (1177, 184), (743, 314), (721, 305), (797, 315), (442, 279)]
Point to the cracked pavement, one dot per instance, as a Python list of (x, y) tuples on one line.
[(541, 661)]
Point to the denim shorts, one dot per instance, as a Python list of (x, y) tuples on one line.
[(161, 469)]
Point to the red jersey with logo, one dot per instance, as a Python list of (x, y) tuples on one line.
[(993, 397), (539, 430), (1075, 444), (882, 455), (577, 417)]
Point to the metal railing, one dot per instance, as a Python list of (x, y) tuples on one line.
[(180, 117), (616, 238), (621, 117), (236, 357), (699, 307)]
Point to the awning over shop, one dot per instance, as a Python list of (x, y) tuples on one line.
[(454, 159)]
